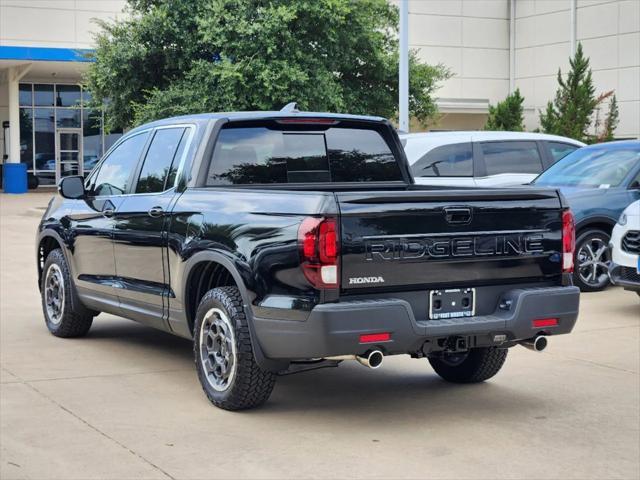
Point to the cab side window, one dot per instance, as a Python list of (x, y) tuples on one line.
[(115, 171), (161, 161)]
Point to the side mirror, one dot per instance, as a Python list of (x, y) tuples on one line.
[(72, 187)]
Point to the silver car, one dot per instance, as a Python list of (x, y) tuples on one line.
[(483, 159)]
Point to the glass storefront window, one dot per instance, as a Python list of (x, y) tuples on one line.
[(26, 137), (68, 141), (68, 117), (86, 98), (43, 95), (46, 178), (67, 95), (45, 142), (25, 96), (91, 138), (47, 108)]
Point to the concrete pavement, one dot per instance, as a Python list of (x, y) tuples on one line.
[(124, 402)]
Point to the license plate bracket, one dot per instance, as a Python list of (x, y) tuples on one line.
[(452, 303)]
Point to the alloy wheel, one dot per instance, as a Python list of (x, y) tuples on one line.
[(218, 349), (54, 294), (593, 262)]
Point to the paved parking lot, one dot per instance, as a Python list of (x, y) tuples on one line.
[(124, 402)]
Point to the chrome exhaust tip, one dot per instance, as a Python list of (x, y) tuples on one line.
[(372, 359), (537, 344)]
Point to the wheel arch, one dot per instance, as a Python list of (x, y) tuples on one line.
[(211, 269), (47, 242), (205, 273), (605, 224)]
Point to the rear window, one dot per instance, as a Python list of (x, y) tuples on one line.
[(262, 155)]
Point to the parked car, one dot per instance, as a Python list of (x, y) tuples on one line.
[(625, 249), (599, 182), (283, 241), (483, 159)]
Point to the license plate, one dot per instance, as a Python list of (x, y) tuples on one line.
[(638, 266), (452, 303)]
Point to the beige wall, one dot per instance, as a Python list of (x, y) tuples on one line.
[(542, 45), (609, 31), (458, 121), (471, 37), (53, 23)]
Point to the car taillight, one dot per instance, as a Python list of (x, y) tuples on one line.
[(568, 241), (319, 249)]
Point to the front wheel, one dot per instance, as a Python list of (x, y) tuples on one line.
[(227, 370), (64, 314), (474, 366), (592, 261)]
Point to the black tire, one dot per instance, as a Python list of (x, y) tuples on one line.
[(71, 318), (582, 275), (239, 381), (478, 365)]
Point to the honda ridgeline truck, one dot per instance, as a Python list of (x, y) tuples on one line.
[(284, 241)]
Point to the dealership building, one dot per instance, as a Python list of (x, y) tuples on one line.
[(490, 46), (44, 112)]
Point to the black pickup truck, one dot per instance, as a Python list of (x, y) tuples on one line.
[(284, 241)]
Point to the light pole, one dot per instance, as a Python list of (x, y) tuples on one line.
[(403, 108)]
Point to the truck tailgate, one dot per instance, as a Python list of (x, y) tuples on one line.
[(448, 238)]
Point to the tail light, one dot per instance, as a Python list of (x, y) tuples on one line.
[(319, 250), (568, 241)]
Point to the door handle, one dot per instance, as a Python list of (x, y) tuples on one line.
[(156, 211), (108, 212)]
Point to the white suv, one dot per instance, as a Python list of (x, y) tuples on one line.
[(625, 249), (483, 159)]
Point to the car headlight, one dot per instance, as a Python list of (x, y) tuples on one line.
[(623, 219)]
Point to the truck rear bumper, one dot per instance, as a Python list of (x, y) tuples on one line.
[(335, 328)]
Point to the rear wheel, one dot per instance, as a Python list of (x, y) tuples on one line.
[(592, 261), (476, 365), (64, 314), (227, 370)]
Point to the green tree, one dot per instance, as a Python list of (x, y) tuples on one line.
[(571, 114), (507, 115), (168, 58)]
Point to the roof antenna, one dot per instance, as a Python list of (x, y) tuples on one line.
[(290, 107)]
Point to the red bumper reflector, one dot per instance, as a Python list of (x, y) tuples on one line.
[(375, 337), (545, 322)]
